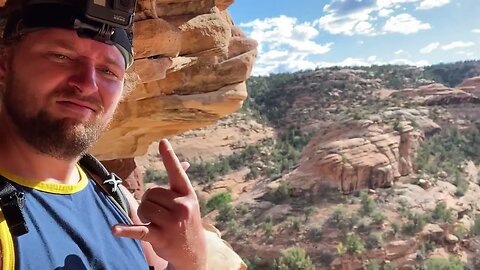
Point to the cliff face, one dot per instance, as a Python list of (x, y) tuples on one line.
[(357, 156), (191, 63)]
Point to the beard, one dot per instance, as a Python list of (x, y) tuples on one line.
[(62, 138)]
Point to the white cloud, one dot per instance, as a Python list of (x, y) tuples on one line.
[(405, 24), (284, 44), (399, 52), (457, 44), (429, 4), (476, 31), (385, 12), (420, 63), (393, 3), (429, 48), (366, 17), (351, 24)]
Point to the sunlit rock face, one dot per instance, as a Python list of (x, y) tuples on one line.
[(191, 63)]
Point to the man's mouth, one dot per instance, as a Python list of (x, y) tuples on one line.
[(79, 104)]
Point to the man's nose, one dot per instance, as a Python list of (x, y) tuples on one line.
[(84, 79)]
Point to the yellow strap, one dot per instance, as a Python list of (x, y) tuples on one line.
[(7, 252)]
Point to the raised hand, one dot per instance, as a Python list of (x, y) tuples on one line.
[(173, 224)]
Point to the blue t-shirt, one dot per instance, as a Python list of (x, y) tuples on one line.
[(70, 228)]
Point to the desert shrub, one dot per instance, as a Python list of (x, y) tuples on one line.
[(460, 231), (372, 265), (235, 229), (155, 176), (219, 201), (378, 218), (395, 227), (342, 220), (315, 234), (293, 223), (442, 213), (374, 240), (308, 211), (415, 223), (368, 204), (475, 229), (389, 266), (353, 244), (452, 263), (226, 213), (293, 259), (426, 247), (254, 264), (268, 227), (242, 209), (281, 193)]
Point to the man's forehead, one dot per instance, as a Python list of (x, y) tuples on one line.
[(69, 40)]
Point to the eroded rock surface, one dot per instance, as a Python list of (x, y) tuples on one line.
[(357, 155), (191, 63)]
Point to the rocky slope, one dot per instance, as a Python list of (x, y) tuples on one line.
[(369, 147)]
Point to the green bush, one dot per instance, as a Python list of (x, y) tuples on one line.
[(254, 264), (293, 259), (460, 231), (378, 218), (281, 193), (395, 227), (226, 213), (315, 234), (268, 227), (155, 176), (353, 244), (475, 229), (387, 266), (373, 241), (341, 220), (442, 213), (372, 265), (293, 223), (415, 223), (452, 263), (426, 247), (368, 204), (219, 201)]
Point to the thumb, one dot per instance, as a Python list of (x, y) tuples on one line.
[(139, 232)]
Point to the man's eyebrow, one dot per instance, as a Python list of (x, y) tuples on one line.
[(68, 46)]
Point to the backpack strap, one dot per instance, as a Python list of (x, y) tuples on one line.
[(109, 182), (11, 203)]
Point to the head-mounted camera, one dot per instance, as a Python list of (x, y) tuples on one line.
[(108, 21)]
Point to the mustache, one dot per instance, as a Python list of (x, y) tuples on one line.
[(73, 94)]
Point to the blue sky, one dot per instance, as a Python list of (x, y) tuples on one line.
[(305, 34)]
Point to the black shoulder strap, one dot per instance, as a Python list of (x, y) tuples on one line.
[(11, 203), (109, 182)]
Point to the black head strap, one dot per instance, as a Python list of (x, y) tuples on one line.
[(38, 16)]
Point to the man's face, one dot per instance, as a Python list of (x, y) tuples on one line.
[(61, 90)]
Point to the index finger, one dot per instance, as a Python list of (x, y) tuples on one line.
[(177, 178)]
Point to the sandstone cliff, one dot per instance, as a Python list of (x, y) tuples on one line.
[(191, 62)]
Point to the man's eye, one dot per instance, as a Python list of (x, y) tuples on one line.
[(60, 56), (108, 72)]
